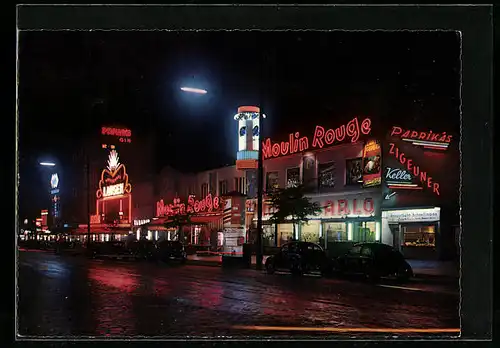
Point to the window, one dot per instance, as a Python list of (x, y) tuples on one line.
[(240, 185), (364, 231), (272, 181), (285, 233), (309, 171), (326, 174), (354, 171), (419, 235), (292, 177), (268, 235), (204, 190), (222, 187), (310, 232), (335, 231), (212, 181)]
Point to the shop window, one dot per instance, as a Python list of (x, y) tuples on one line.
[(272, 181), (335, 231), (364, 231), (268, 235), (285, 233), (293, 177), (354, 171), (326, 175), (419, 235), (310, 232)]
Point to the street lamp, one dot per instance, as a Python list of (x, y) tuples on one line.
[(194, 90), (47, 164)]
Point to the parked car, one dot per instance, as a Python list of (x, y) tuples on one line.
[(374, 260), (142, 249), (171, 250), (299, 258), (111, 248)]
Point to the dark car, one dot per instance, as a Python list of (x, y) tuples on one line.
[(171, 250), (142, 249), (299, 258), (374, 260), (111, 248)]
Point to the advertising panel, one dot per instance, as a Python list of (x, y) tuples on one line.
[(372, 170)]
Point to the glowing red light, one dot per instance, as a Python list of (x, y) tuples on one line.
[(242, 109), (416, 135), (415, 169), (352, 130), (119, 132)]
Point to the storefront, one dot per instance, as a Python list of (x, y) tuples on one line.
[(412, 231), (344, 217)]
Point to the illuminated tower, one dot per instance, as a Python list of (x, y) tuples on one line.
[(248, 145)]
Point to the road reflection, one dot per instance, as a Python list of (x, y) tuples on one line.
[(112, 305)]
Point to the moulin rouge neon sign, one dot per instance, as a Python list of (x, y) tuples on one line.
[(115, 172), (414, 169), (352, 130), (207, 204)]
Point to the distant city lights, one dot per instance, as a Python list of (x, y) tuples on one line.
[(194, 90)]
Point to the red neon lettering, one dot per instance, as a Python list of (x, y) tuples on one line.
[(435, 188), (391, 148), (276, 150), (329, 137), (355, 209), (414, 134), (434, 137), (423, 176), (422, 135), (319, 132), (343, 209), (216, 203), (406, 134), (303, 144), (369, 206), (396, 130), (429, 181), (448, 139), (366, 126), (402, 158), (329, 208), (284, 148), (340, 133), (409, 164), (352, 129), (266, 148), (416, 170)]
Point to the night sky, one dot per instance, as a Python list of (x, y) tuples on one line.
[(70, 81), (73, 82)]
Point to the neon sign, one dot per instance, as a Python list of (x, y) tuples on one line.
[(429, 140), (372, 172), (114, 172), (54, 181), (113, 190), (414, 169), (124, 134), (207, 204), (119, 132), (352, 130), (400, 179)]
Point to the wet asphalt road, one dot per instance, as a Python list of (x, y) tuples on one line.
[(64, 295)]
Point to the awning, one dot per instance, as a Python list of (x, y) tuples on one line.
[(206, 219)]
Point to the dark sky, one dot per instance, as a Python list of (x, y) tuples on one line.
[(70, 82)]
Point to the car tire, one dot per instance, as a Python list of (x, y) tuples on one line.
[(270, 268), (403, 274), (371, 274), (296, 269)]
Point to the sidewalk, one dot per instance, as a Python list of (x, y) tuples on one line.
[(421, 268)]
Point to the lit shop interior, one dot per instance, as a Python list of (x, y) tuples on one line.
[(412, 231), (324, 231)]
